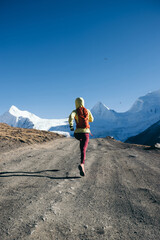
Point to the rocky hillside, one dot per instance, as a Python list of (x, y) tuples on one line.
[(149, 137), (11, 137)]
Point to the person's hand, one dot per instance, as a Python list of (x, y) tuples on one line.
[(71, 128)]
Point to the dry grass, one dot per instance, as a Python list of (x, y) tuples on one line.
[(14, 137)]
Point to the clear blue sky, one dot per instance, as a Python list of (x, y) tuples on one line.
[(52, 51)]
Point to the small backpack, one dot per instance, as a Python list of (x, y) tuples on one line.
[(83, 121)]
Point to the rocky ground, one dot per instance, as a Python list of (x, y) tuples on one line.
[(43, 197)]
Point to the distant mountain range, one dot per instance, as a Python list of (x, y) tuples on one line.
[(144, 113)]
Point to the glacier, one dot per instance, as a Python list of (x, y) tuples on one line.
[(143, 113), (24, 119), (107, 122)]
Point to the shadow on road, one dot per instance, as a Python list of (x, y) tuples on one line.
[(34, 174)]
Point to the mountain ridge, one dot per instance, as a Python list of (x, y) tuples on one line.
[(150, 136), (107, 122)]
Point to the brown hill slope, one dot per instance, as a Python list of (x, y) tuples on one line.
[(149, 137), (11, 137), (43, 197)]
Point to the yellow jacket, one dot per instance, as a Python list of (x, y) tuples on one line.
[(79, 102)]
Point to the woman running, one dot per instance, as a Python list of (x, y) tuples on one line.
[(82, 117)]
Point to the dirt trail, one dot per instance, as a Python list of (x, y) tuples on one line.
[(43, 197)]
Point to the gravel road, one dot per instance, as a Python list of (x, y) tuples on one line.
[(43, 197)]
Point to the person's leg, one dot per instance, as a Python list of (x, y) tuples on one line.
[(83, 146), (84, 139), (79, 137)]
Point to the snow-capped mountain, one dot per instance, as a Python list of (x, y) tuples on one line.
[(17, 118), (24, 119), (144, 112), (149, 103), (100, 111)]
